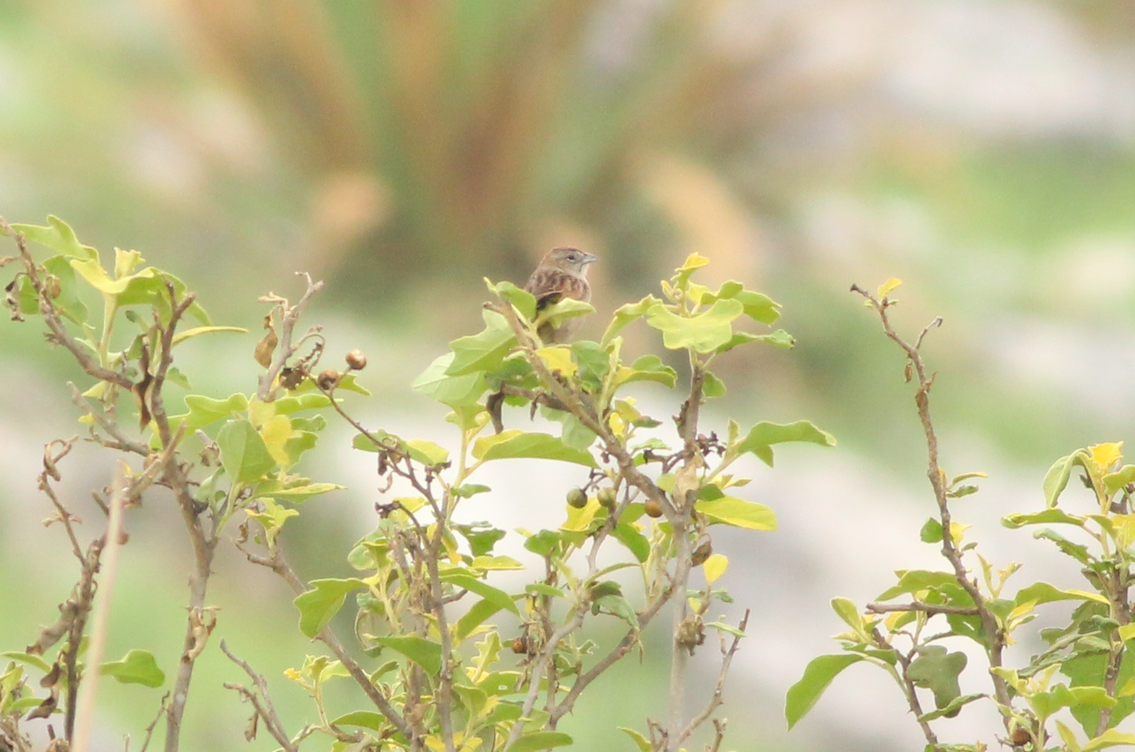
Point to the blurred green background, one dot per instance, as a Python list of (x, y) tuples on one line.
[(403, 150)]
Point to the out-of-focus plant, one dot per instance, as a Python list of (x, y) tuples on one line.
[(430, 668), (911, 641)]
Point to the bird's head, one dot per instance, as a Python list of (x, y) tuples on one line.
[(570, 260)]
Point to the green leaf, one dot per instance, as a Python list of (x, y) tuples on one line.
[(713, 386), (244, 454), (298, 403), (804, 694), (498, 598), (421, 651), (469, 490), (58, 236), (738, 513), (97, 277), (647, 368), (199, 330), (764, 435), (539, 588), (1050, 516), (931, 532), (296, 494), (518, 444), (28, 658), (1056, 479), (524, 301), (758, 306), (847, 610), (1110, 738), (272, 519), (543, 542), (951, 708), (136, 667), (365, 718), (1120, 478), (475, 617), (634, 540), (484, 351), (641, 741), (319, 605), (539, 740), (427, 452), (702, 333), (481, 536), (69, 303), (914, 580), (938, 670), (593, 361), (205, 410), (625, 315), (455, 391)]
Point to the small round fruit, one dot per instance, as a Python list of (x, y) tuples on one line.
[(356, 360), (328, 378), (520, 645), (701, 553), (653, 508), (577, 498), (607, 497)]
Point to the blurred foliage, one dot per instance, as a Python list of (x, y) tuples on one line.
[(424, 145)]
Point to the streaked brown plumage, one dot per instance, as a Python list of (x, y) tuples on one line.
[(562, 273)]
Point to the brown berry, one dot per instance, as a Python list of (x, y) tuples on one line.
[(577, 498), (653, 508), (701, 553), (356, 360), (53, 285), (328, 378), (291, 378), (520, 645), (607, 497)]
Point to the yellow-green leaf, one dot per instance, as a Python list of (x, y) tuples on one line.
[(702, 333), (558, 359), (136, 667), (199, 330), (738, 513), (715, 567), (887, 287), (518, 444)]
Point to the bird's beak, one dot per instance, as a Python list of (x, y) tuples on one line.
[(588, 258)]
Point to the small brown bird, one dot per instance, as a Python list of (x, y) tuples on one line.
[(562, 273)]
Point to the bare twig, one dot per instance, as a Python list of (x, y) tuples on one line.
[(153, 724), (728, 650), (100, 618), (289, 316), (937, 477), (929, 608), (280, 566), (262, 703)]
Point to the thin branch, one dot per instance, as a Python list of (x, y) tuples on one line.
[(154, 723), (100, 619), (280, 566), (289, 316), (937, 478), (51, 316), (588, 418), (928, 608), (264, 708), (727, 653)]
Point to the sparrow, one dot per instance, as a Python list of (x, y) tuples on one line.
[(562, 273)]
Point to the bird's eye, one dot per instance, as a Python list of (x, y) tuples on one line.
[(573, 257)]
